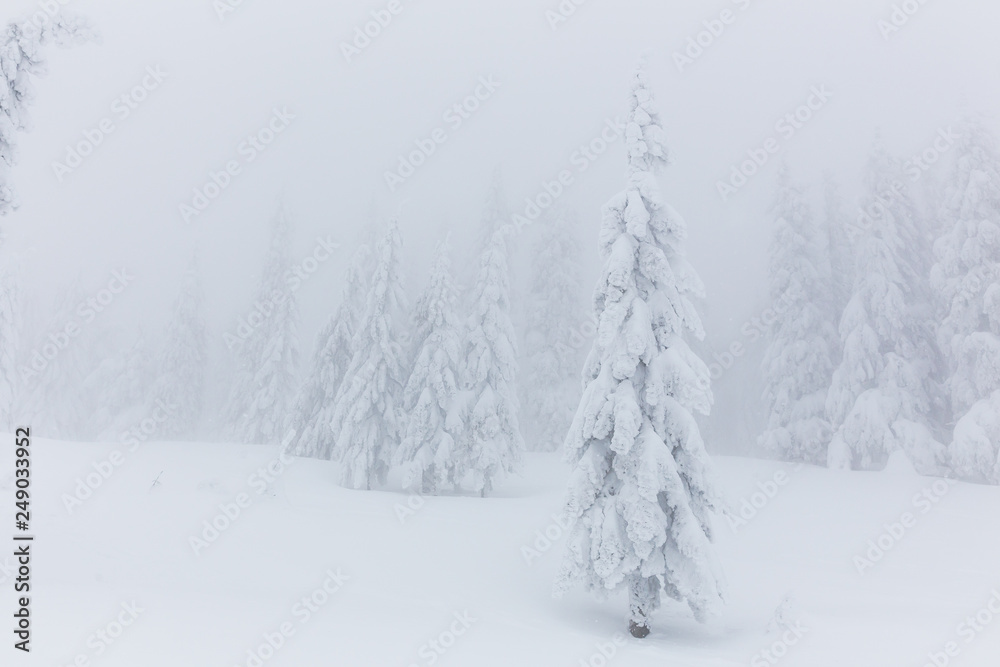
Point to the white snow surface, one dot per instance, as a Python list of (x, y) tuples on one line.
[(407, 579)]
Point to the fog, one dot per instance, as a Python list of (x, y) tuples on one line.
[(353, 120), (180, 132)]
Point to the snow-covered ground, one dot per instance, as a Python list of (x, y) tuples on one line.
[(400, 580)]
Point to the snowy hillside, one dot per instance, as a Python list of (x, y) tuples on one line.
[(410, 571)]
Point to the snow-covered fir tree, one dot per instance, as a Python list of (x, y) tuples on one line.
[(53, 368), (491, 445), (798, 363), (883, 396), (10, 335), (118, 389), (313, 421), (432, 396), (260, 402), (181, 367), (641, 495), (368, 416), (21, 61), (973, 453), (554, 341), (966, 279), (838, 250), (496, 211)]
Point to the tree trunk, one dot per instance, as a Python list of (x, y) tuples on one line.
[(642, 594)]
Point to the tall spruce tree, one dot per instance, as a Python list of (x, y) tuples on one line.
[(554, 339), (641, 495), (431, 398), (118, 389), (368, 417), (966, 278), (183, 359), (259, 407), (882, 397), (798, 363), (492, 445), (52, 374), (313, 423), (496, 211), (839, 252)]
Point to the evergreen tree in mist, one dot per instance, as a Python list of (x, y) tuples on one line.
[(641, 495), (838, 249), (966, 279), (182, 362), (492, 446), (556, 318), (496, 211), (22, 59), (313, 422), (883, 395), (51, 373), (798, 363), (431, 398), (117, 390), (368, 419), (495, 216), (260, 402)]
